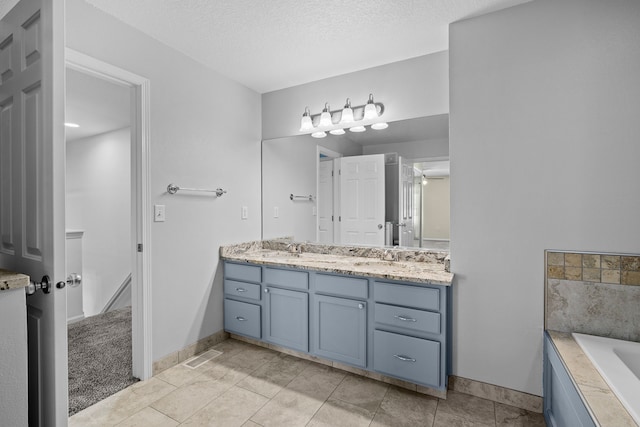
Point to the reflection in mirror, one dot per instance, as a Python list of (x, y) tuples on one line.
[(383, 188)]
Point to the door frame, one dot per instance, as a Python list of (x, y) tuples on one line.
[(141, 202), (331, 155)]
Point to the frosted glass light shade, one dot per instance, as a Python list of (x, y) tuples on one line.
[(337, 132), (358, 129), (347, 113), (379, 126), (320, 134), (325, 117), (306, 124), (370, 110)]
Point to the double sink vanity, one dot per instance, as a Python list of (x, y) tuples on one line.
[(381, 312)]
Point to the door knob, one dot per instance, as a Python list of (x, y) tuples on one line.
[(380, 226), (74, 280)]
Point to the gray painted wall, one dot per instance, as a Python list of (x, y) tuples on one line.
[(544, 153), (205, 133)]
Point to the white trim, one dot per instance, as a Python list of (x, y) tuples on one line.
[(141, 194), (330, 155)]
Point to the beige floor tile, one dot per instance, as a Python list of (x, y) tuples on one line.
[(287, 408), (233, 408), (460, 407), (317, 381), (251, 358), (271, 377), (122, 405), (148, 417), (402, 407), (509, 416), (185, 401), (445, 419), (179, 375), (338, 413), (251, 424), (363, 392)]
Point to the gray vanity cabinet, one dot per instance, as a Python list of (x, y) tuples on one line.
[(399, 329), (242, 301), (340, 327), (286, 318)]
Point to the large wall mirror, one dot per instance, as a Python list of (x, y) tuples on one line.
[(385, 187)]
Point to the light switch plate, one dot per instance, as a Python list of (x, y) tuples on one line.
[(159, 213), (276, 212), (245, 212)]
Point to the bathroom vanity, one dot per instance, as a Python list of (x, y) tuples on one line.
[(382, 311), (13, 351)]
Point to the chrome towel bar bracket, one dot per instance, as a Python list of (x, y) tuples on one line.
[(173, 189), (309, 197)]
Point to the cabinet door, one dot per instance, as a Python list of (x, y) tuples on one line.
[(287, 318), (341, 330)]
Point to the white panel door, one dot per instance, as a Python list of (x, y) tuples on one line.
[(32, 191), (405, 216), (325, 201), (362, 200)]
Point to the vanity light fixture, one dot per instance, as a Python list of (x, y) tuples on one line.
[(347, 113), (325, 117), (306, 124), (353, 118), (370, 110)]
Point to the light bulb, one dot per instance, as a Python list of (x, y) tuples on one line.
[(358, 129), (306, 124), (320, 134), (370, 110), (325, 117), (379, 126), (347, 113), (337, 132)]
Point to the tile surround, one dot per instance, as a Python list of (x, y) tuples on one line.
[(594, 268)]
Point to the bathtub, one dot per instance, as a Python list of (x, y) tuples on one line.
[(618, 362)]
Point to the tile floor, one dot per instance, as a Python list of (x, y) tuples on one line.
[(254, 386)]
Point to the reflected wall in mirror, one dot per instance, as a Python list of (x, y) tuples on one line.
[(383, 188)]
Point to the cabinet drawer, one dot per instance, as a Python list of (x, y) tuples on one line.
[(407, 318), (286, 278), (409, 358), (242, 318), (242, 289), (343, 286), (410, 296), (249, 273)]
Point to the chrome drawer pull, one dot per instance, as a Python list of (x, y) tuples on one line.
[(404, 358), (405, 319), (240, 318), (241, 290)]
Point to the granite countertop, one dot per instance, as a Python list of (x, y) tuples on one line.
[(600, 400), (417, 266), (11, 280)]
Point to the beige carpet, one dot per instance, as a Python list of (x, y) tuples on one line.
[(99, 358)]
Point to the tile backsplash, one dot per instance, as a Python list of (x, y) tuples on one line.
[(593, 293)]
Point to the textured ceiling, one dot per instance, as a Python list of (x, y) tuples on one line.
[(270, 45)]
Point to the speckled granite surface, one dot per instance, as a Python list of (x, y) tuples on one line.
[(386, 263), (600, 400), (11, 280)]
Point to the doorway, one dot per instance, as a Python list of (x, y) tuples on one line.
[(138, 243)]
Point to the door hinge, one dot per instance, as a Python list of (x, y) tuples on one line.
[(340, 219), (139, 247), (331, 173), (331, 218)]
